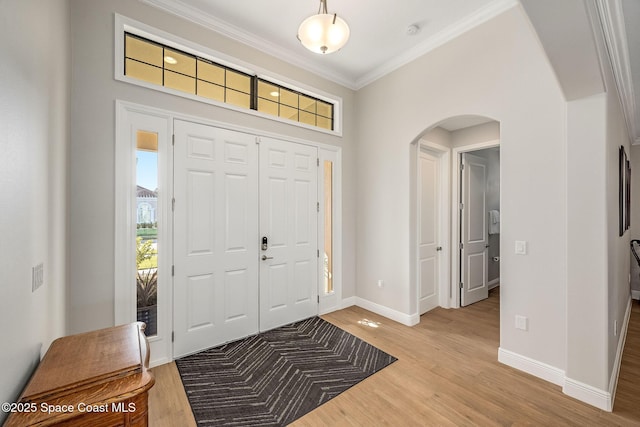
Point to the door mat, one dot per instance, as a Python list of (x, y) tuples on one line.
[(275, 377)]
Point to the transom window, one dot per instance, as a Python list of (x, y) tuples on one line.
[(282, 102), (161, 65)]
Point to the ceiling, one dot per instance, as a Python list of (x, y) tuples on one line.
[(379, 42), (578, 33)]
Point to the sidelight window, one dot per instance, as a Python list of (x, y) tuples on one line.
[(147, 230)]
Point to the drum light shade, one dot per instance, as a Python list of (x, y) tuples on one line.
[(323, 33)]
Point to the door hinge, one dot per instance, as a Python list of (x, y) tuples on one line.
[(173, 139), (173, 270), (462, 166), (257, 140), (173, 336), (461, 206), (461, 285), (318, 254), (461, 245), (317, 206), (173, 204), (318, 299), (318, 161)]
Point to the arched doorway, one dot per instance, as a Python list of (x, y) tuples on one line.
[(455, 222)]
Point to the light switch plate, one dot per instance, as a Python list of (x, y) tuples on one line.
[(522, 323), (521, 247)]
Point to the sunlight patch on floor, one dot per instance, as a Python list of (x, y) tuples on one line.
[(370, 323)]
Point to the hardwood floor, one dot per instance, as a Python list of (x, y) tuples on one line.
[(447, 374)]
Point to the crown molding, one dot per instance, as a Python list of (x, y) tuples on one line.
[(612, 21), (469, 22), (190, 13)]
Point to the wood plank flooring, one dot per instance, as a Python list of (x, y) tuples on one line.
[(447, 375)]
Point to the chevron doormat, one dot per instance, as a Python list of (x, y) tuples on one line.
[(273, 378)]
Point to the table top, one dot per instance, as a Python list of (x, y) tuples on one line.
[(86, 359)]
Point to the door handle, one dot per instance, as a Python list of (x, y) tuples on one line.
[(264, 257), (486, 246), (439, 248)]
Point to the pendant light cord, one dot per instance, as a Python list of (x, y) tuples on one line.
[(323, 7)]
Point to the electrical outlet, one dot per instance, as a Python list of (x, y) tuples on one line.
[(522, 323), (380, 283), (37, 276), (521, 247)]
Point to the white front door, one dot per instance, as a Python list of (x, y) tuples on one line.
[(215, 233), (229, 192), (428, 233), (474, 253), (289, 229)]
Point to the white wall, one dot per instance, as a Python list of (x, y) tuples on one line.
[(439, 136), (586, 250), (598, 258), (496, 70), (34, 132), (485, 132), (634, 231), (618, 265), (92, 168)]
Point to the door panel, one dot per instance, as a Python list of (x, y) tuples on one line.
[(429, 223), (474, 254), (289, 220), (216, 235), (200, 290), (236, 285)]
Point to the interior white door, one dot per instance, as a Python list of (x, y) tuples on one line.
[(429, 228), (474, 253), (215, 236), (289, 222)]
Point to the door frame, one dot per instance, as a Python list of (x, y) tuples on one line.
[(125, 226), (124, 253), (455, 213), (444, 155)]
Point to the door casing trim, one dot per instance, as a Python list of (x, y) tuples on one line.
[(455, 217), (124, 232)]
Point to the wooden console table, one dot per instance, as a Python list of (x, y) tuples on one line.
[(98, 378)]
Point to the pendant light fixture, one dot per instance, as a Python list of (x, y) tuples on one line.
[(323, 33)]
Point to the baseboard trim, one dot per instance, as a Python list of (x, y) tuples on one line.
[(348, 302), (160, 361), (635, 294), (493, 283), (531, 366), (599, 398), (389, 313), (602, 399), (615, 372)]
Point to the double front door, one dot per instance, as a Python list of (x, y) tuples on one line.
[(245, 235)]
